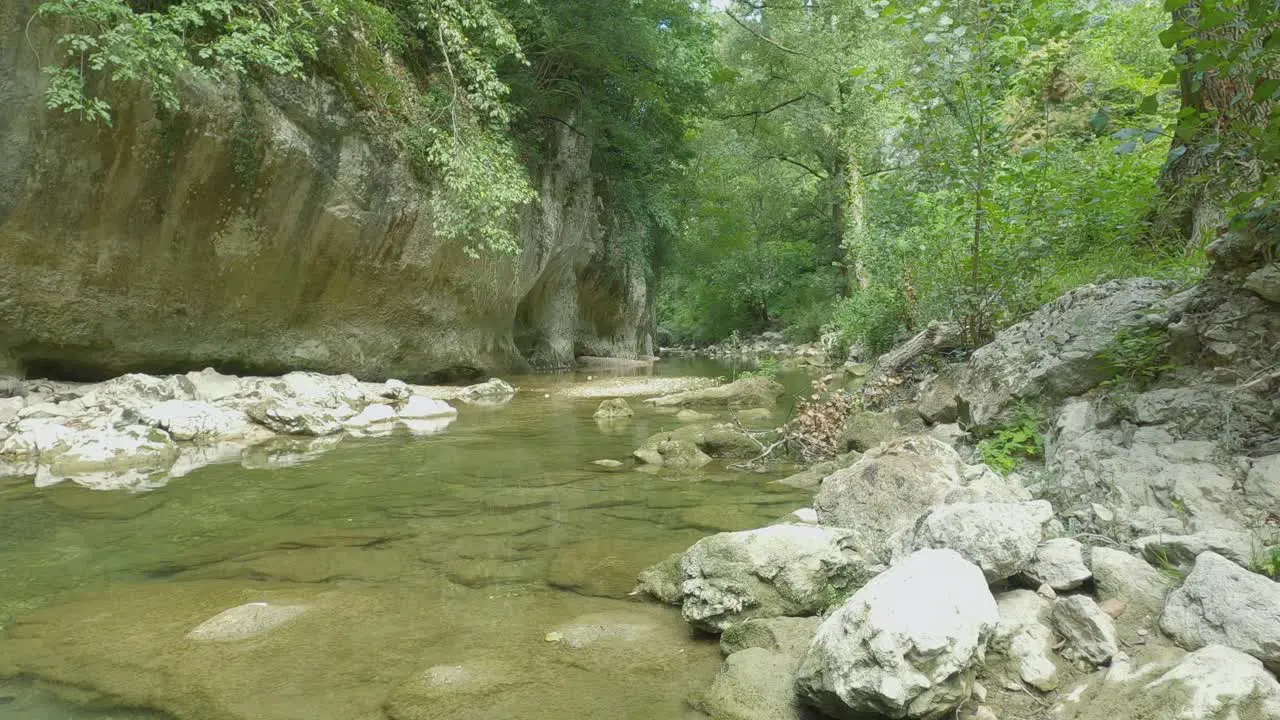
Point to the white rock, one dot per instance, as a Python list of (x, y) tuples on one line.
[(906, 645), (1215, 683), (424, 408), (1221, 603), (1090, 633), (1000, 538), (754, 684), (190, 420), (1121, 576), (888, 488), (245, 621), (775, 571), (211, 386), (290, 418), (1262, 486), (1060, 564), (32, 436), (430, 426), (395, 390), (1182, 550), (1023, 635), (491, 390)]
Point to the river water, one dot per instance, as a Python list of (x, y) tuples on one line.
[(480, 573)]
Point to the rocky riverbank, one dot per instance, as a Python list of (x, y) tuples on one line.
[(1128, 571)]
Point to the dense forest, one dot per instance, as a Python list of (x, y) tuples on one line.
[(836, 169)]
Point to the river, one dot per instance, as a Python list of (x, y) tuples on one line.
[(483, 572)]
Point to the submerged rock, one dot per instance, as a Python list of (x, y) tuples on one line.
[(673, 454), (722, 440), (748, 392), (754, 684), (491, 390), (907, 645), (790, 636), (613, 409), (245, 621), (775, 571)]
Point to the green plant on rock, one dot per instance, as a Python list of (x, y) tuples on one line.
[(1267, 562), (1015, 443), (768, 369), (1138, 358)]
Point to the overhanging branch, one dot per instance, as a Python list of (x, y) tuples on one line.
[(755, 32)]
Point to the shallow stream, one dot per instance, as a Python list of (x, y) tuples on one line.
[(480, 573)]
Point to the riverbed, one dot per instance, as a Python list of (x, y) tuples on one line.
[(481, 572)]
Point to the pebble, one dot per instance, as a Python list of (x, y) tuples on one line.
[(554, 637)]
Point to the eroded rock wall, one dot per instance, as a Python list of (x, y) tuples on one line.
[(261, 229)]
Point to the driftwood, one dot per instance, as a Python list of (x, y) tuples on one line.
[(937, 336)]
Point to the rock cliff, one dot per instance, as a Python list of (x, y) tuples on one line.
[(263, 229)]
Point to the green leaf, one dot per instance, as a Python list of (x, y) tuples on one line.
[(1172, 5), (1150, 104), (1266, 90), (1099, 121)]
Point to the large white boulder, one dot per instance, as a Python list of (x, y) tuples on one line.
[(906, 645), (775, 571), (1262, 485), (1117, 575), (1000, 538), (1214, 683), (887, 489), (1221, 603)]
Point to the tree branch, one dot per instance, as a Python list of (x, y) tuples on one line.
[(761, 113), (755, 32), (797, 163)]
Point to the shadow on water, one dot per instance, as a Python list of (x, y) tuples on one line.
[(480, 548)]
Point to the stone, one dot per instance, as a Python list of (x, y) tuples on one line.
[(755, 391), (1262, 484), (661, 581), (1024, 637), (190, 420), (613, 409), (1181, 551), (1153, 481), (693, 416), (775, 571), (888, 488), (951, 434), (30, 437), (1265, 282), (608, 463), (754, 416), (135, 390), (492, 389), (419, 407), (211, 386), (1122, 576), (753, 684), (1000, 538), (1056, 351), (812, 477), (245, 621), (865, 430), (681, 455), (721, 440), (108, 449), (1090, 633), (291, 418), (1221, 603), (443, 692), (395, 390), (1059, 563), (375, 418), (906, 645), (936, 399), (790, 636), (1214, 683), (9, 408)]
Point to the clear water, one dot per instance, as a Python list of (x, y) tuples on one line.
[(494, 547)]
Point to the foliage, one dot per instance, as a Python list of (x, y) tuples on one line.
[(819, 418), (1267, 562), (768, 369), (1017, 442), (1138, 358)]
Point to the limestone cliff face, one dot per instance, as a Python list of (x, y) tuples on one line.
[(262, 230)]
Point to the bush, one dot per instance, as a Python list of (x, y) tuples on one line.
[(1015, 443)]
